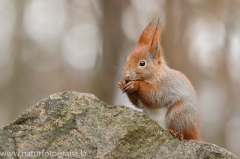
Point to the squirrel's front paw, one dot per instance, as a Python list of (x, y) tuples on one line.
[(130, 87), (121, 84)]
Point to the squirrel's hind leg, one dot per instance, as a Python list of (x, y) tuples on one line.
[(175, 133), (183, 122)]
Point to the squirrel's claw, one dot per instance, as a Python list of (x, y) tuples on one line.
[(175, 133), (130, 87), (121, 84)]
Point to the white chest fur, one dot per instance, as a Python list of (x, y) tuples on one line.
[(158, 115)]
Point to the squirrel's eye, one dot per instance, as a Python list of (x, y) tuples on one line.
[(142, 63)]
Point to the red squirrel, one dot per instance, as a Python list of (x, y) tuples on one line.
[(164, 94)]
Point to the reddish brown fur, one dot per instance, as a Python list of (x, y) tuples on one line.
[(146, 36), (144, 84), (189, 132), (144, 89)]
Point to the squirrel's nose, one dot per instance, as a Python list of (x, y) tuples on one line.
[(127, 78), (127, 75)]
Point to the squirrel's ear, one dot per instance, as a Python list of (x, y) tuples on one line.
[(146, 35), (155, 48)]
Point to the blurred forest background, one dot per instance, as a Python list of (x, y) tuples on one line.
[(50, 46)]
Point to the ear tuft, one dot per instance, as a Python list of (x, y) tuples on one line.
[(146, 36), (155, 47)]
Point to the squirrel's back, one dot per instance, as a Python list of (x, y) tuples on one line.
[(178, 106), (175, 86)]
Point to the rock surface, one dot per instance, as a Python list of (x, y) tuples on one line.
[(79, 125)]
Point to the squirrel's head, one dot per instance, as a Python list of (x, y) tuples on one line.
[(145, 59)]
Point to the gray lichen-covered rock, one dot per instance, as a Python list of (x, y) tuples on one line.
[(79, 125)]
